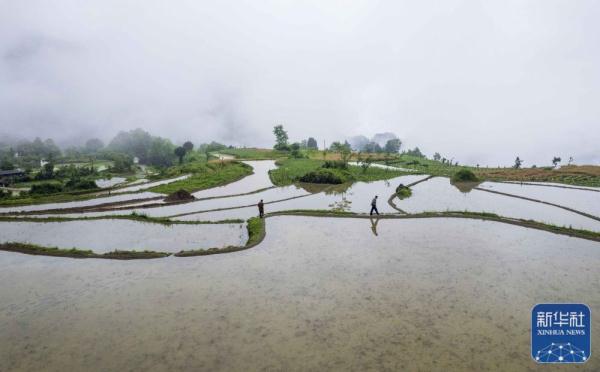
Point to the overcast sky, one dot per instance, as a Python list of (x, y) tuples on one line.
[(481, 82)]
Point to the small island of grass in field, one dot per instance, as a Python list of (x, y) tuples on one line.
[(464, 175), (403, 191)]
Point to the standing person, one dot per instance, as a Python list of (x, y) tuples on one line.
[(261, 209), (374, 206)]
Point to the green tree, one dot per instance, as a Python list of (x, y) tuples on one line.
[(437, 156), (121, 163), (180, 152), (556, 160), (161, 152), (372, 147), (366, 163), (416, 152), (392, 146), (188, 146), (93, 145), (6, 164), (345, 152), (281, 138), (518, 163), (295, 150), (312, 143)]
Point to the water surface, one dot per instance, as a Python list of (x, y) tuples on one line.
[(437, 194), (426, 294), (109, 182), (81, 203), (103, 236), (256, 181), (581, 200)]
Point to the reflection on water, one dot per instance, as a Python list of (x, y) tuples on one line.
[(374, 222), (109, 182), (426, 294), (465, 187), (356, 198), (256, 181), (597, 189), (81, 203), (148, 185), (108, 235), (437, 194), (581, 200), (383, 166)]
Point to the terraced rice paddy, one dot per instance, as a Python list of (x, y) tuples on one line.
[(323, 293)]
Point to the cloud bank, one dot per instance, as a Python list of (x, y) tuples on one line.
[(479, 82)]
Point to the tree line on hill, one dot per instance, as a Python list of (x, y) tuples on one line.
[(122, 150), (380, 143)]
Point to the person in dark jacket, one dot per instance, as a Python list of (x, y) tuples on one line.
[(261, 209), (374, 206)]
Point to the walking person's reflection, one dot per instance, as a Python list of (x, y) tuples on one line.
[(374, 222)]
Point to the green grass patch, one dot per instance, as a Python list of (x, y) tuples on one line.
[(464, 175), (256, 233), (326, 176), (403, 192), (205, 176), (139, 217), (256, 230), (77, 253), (254, 153), (290, 171), (314, 212)]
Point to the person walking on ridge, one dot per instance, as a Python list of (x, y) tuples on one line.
[(374, 206), (261, 209)]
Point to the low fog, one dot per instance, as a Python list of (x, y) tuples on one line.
[(479, 82)]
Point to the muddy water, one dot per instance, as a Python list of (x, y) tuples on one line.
[(109, 182), (597, 189), (438, 194), (256, 181), (383, 166), (581, 200), (81, 203), (108, 235), (435, 294), (356, 198), (148, 185)]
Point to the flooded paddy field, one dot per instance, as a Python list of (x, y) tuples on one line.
[(422, 294), (258, 180), (109, 182), (554, 184), (437, 194), (81, 203), (108, 235), (356, 198), (147, 185), (579, 199)]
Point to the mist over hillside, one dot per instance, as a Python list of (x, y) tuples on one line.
[(484, 82)]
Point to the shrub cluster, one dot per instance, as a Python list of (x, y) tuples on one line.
[(46, 188), (75, 184), (335, 164), (403, 192), (322, 175), (464, 175)]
